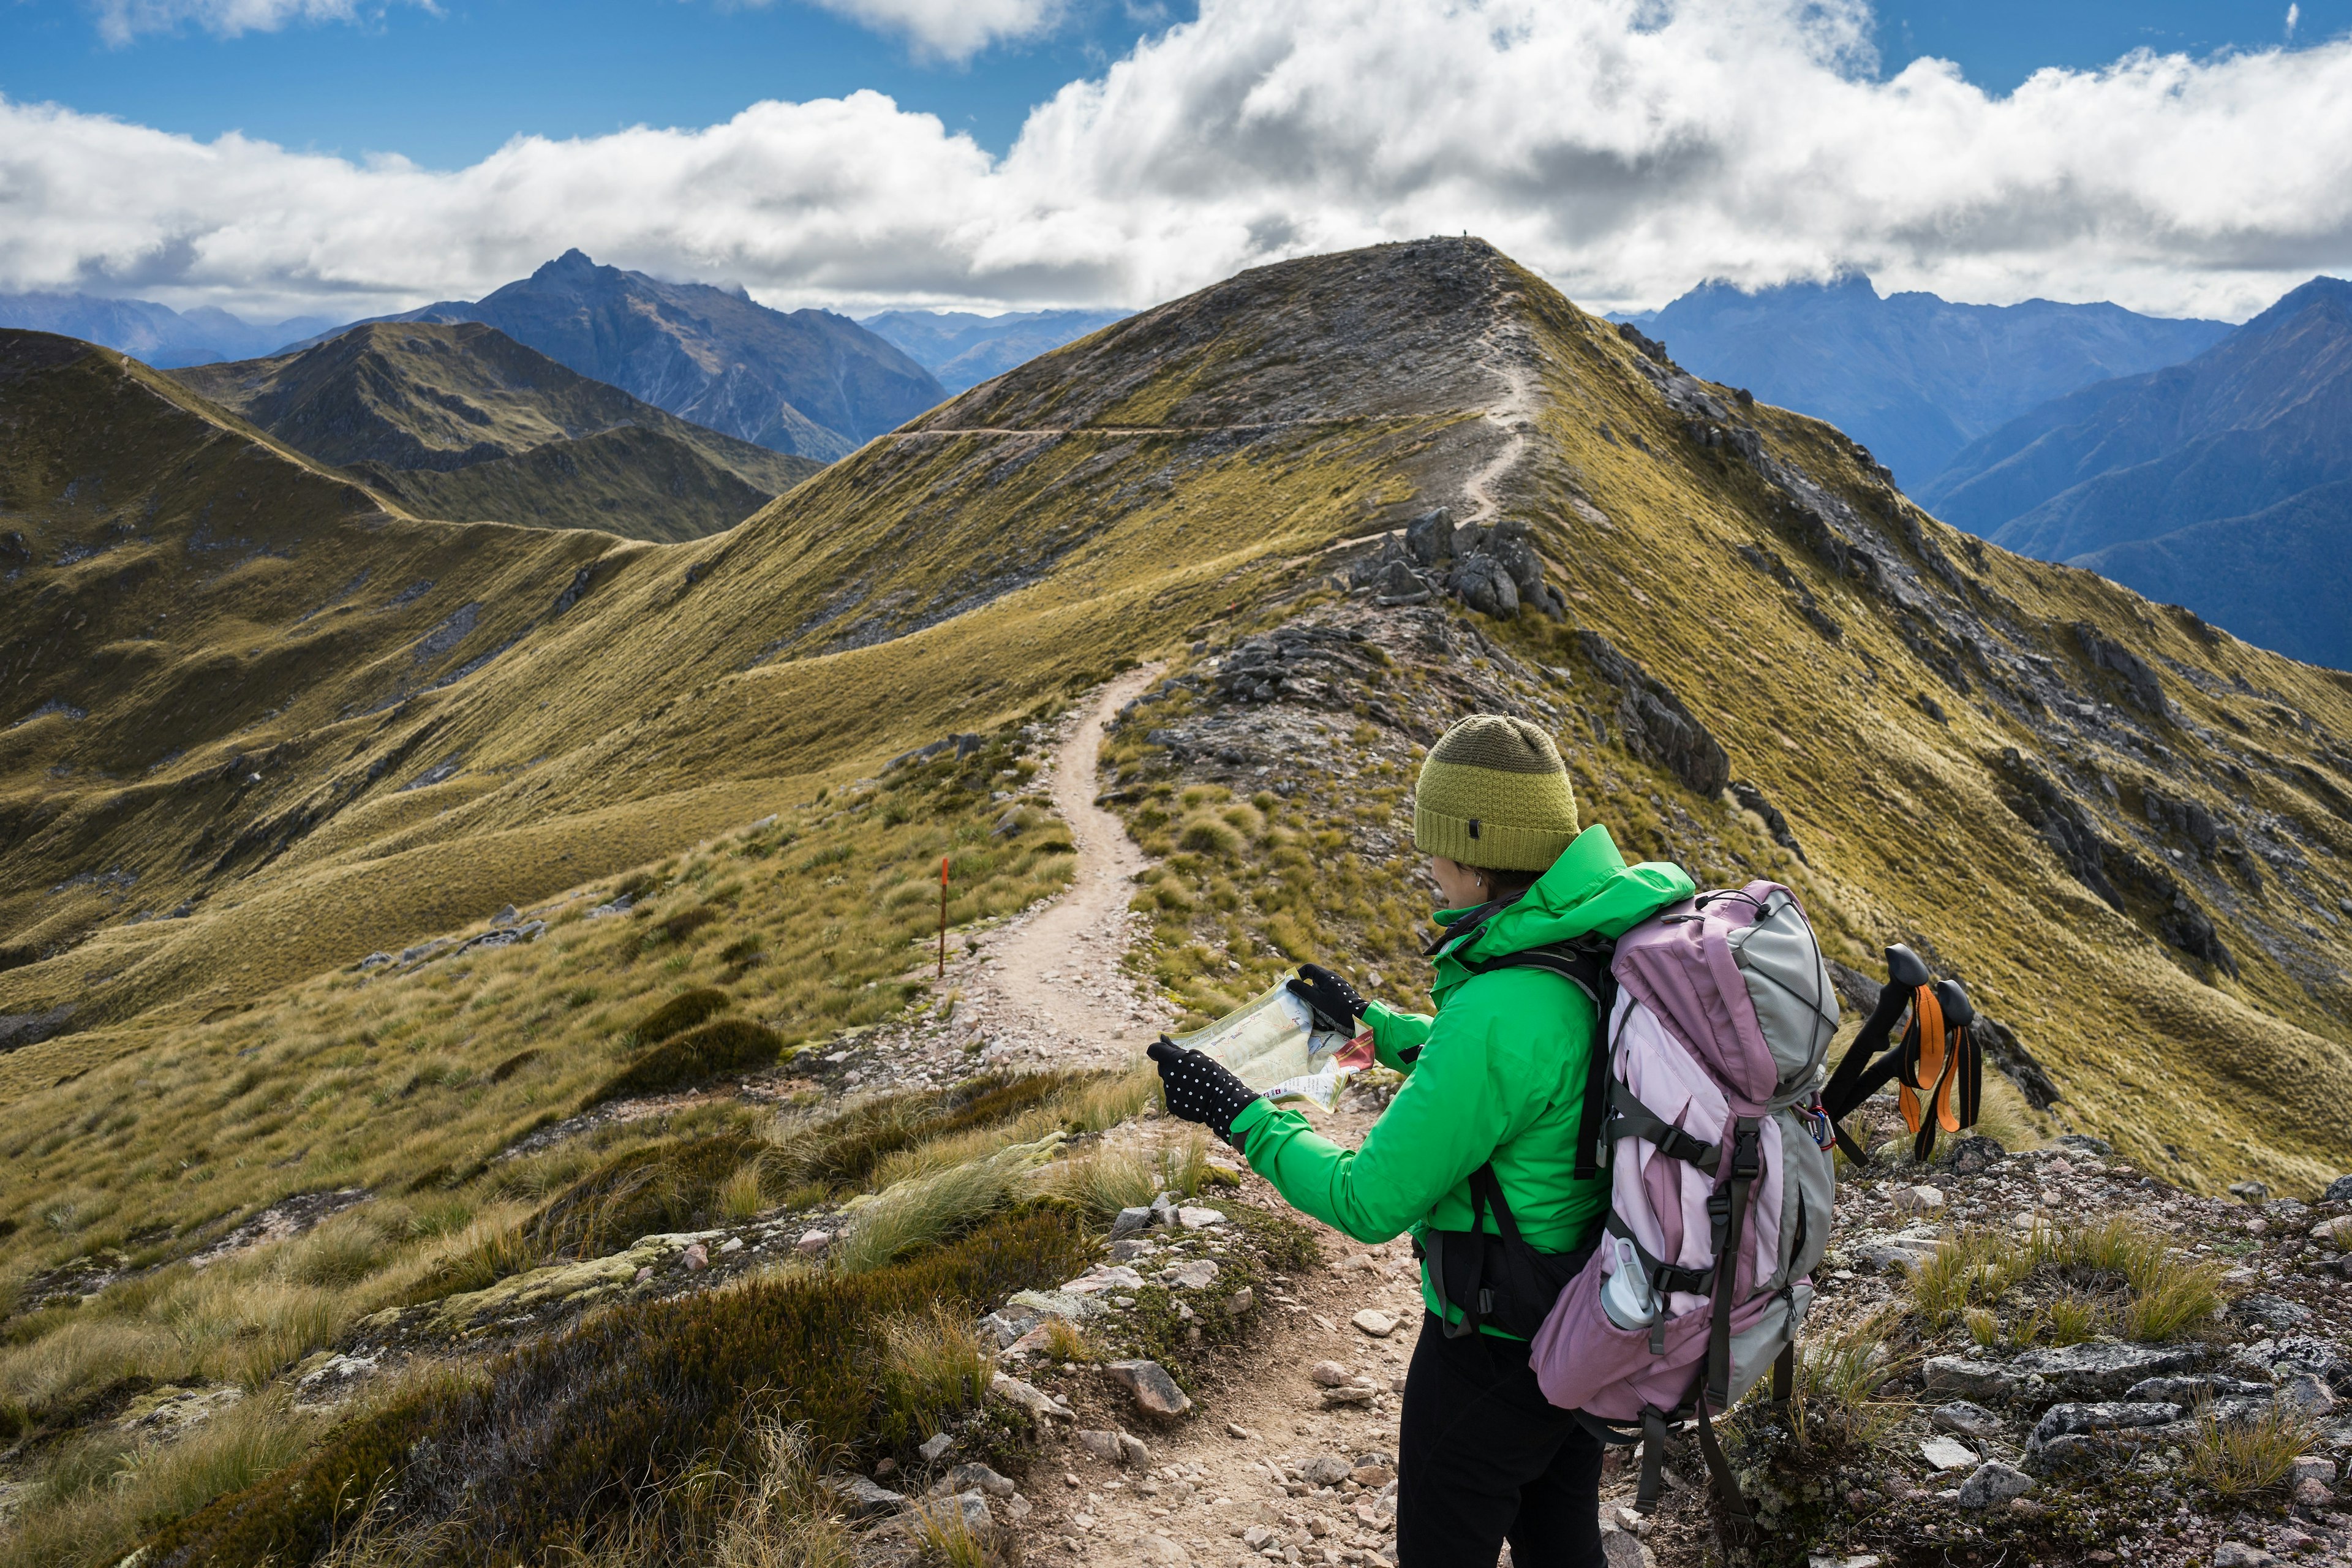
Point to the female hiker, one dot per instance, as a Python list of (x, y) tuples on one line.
[(1493, 1092)]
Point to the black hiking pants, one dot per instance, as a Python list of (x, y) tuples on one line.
[(1483, 1458)]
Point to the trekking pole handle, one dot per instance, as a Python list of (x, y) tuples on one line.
[(1953, 997), (1904, 975)]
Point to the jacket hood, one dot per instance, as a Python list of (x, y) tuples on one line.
[(1589, 891)]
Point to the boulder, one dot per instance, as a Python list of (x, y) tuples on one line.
[(1973, 1155), (932, 1447), (2099, 1368), (1429, 538), (2102, 1415), (1970, 1379), (1994, 1482), (1129, 1221), (1198, 1274), (1155, 1392), (2098, 1148), (974, 1477), (2249, 1191), (1330, 1374), (1101, 1443), (2290, 1354), (2238, 1555), (1373, 1321), (2187, 1392), (1968, 1420), (1192, 1218), (2262, 1310), (1325, 1471), (1486, 586), (1042, 1407), (2339, 1190), (1948, 1453), (2307, 1395), (973, 1508), (862, 1498)]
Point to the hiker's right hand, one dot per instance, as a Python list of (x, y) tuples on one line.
[(1199, 1087), (1337, 1005)]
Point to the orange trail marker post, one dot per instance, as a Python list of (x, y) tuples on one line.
[(943, 917)]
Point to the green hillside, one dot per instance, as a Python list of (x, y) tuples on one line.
[(1184, 473), (268, 738), (460, 421)]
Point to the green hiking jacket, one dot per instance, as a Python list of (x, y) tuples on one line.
[(1500, 1074)]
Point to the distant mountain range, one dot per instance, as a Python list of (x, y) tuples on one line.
[(459, 421), (2223, 484), (805, 381), (1913, 378), (963, 350), (154, 334)]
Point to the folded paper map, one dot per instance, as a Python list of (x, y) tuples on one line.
[(1272, 1045)]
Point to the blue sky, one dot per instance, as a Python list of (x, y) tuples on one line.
[(447, 87), (1022, 153)]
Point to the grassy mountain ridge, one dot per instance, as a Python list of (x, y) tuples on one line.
[(461, 421), (1982, 745)]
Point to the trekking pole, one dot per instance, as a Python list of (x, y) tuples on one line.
[(943, 917)]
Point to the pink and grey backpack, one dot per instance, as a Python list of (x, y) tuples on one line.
[(1705, 1112)]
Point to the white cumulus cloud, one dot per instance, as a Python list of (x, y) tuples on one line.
[(1625, 148), (950, 29), (121, 21)]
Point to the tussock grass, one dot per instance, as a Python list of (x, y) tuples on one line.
[(681, 1013), (2237, 1457), (728, 1044), (931, 1366), (923, 1211), (2112, 1277), (96, 1496), (1834, 1399), (1114, 1176)]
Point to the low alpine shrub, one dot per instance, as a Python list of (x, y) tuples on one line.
[(679, 1014), (726, 1046), (561, 1439)]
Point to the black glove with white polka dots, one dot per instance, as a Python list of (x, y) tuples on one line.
[(1199, 1089), (1334, 1003)]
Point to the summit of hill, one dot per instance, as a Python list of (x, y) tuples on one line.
[(2221, 483), (809, 383), (458, 420)]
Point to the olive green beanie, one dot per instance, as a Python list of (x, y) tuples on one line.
[(1493, 793)]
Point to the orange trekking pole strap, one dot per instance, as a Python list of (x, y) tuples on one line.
[(1927, 1021)]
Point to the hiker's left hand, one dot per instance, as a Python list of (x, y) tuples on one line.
[(1199, 1089)]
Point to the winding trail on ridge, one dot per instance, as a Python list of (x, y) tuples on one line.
[(1050, 986)]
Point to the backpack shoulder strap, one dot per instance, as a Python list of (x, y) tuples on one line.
[(1584, 964)]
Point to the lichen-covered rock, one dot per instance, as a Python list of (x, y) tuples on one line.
[(1994, 1482), (2097, 1368), (567, 1284), (1969, 1379)]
